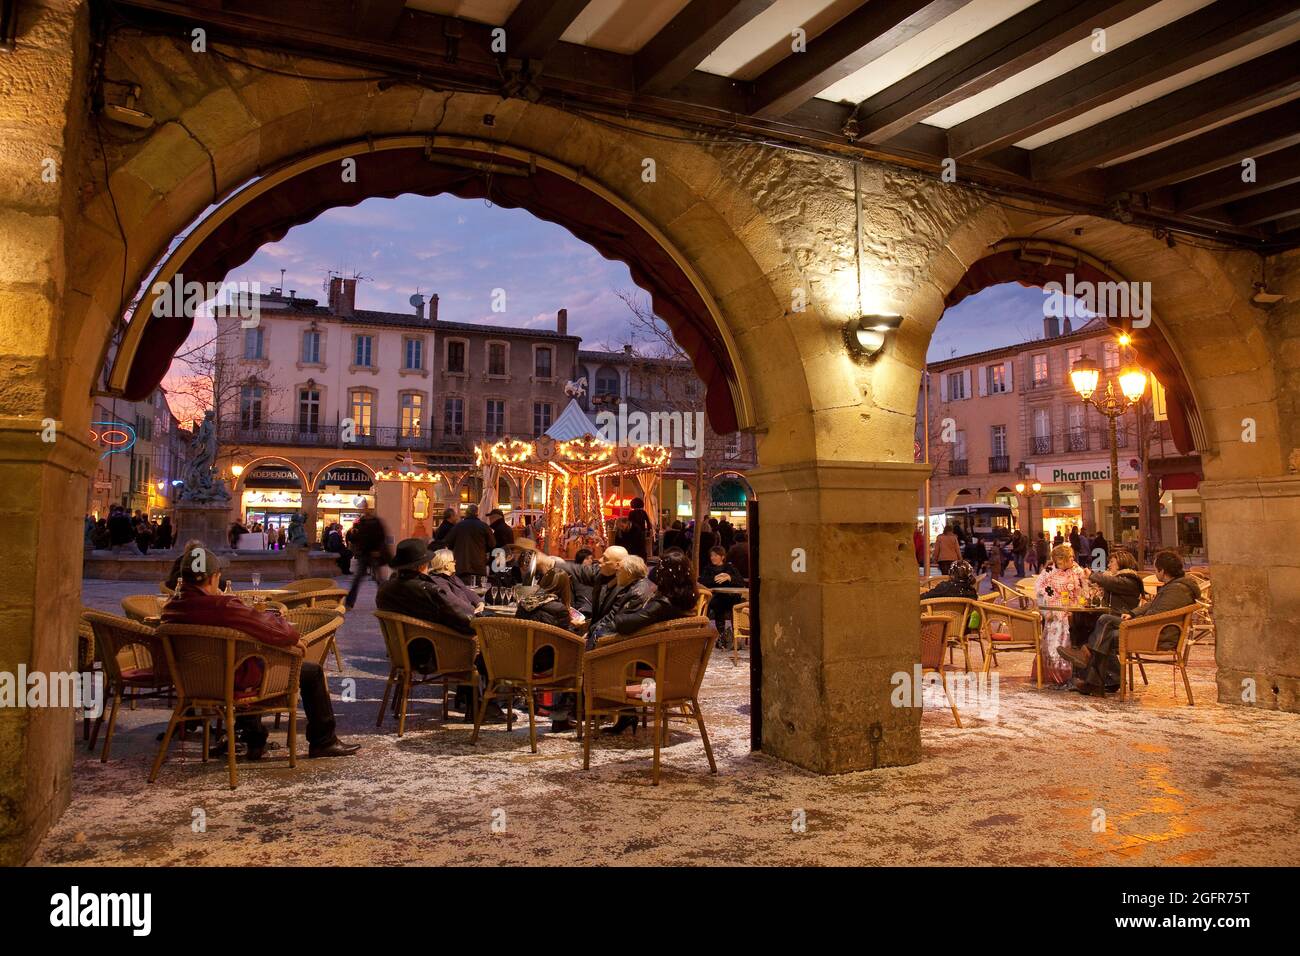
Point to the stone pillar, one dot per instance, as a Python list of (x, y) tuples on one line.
[(42, 482), (839, 612), (1256, 573), (309, 518)]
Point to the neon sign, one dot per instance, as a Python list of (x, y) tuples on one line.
[(118, 436)]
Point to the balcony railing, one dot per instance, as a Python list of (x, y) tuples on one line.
[(999, 463), (1076, 442), (958, 467), (1042, 446), (329, 436)]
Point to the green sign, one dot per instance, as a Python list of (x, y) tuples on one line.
[(729, 495)]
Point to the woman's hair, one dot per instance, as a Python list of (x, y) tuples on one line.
[(675, 580), (441, 561), (638, 503), (1125, 559), (718, 550), (1061, 552), (962, 572), (634, 566), (582, 555)]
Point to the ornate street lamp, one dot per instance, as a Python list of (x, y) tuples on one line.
[(1029, 490), (1086, 376)]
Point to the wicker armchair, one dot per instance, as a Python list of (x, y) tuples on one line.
[(509, 648), (958, 610), (318, 627), (739, 630), (330, 599), (612, 683), (203, 661), (934, 630), (702, 598), (144, 608), (674, 624), (453, 660), (85, 658), (135, 666), (1011, 629), (1139, 643), (1011, 597), (304, 585)]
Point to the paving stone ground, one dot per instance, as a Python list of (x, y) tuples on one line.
[(1209, 784)]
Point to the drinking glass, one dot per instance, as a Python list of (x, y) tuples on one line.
[(257, 580)]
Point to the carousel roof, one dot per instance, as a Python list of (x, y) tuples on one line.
[(572, 423)]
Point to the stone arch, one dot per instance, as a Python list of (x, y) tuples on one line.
[(248, 466), (320, 472)]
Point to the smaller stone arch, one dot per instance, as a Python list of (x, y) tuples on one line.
[(248, 467), (324, 469)]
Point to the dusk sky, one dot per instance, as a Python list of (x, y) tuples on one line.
[(463, 249)]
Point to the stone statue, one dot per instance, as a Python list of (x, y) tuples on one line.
[(576, 388), (297, 531), (201, 486)]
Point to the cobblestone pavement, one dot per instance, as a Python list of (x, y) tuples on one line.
[(1210, 784)]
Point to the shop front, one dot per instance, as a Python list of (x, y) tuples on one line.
[(729, 499), (272, 495), (1077, 494), (345, 494)]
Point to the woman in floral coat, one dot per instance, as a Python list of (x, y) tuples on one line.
[(1062, 583)]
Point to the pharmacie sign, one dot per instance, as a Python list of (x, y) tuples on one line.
[(1076, 472)]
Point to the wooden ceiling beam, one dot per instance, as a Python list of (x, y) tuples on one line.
[(536, 26), (1272, 171), (1255, 136), (1012, 46), (672, 54), (1269, 79), (842, 49), (1210, 32), (1270, 206)]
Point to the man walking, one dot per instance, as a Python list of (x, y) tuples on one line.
[(370, 544)]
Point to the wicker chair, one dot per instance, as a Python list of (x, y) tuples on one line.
[(203, 661), (143, 608), (85, 658), (702, 598), (319, 629), (1139, 643), (1011, 629), (1011, 597), (934, 630), (739, 629), (304, 585), (958, 610), (453, 660), (509, 648), (327, 599), (612, 683), (135, 666), (165, 590)]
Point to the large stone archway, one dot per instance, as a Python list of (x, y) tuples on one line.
[(790, 246)]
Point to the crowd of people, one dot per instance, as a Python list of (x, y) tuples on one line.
[(121, 529), (1005, 551)]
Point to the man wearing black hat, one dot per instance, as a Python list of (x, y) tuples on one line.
[(200, 601), (502, 532)]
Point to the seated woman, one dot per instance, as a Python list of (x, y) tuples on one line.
[(673, 597), (719, 573), (960, 583), (1063, 583), (1121, 583), (550, 601)]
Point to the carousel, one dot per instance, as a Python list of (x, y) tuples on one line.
[(580, 474)]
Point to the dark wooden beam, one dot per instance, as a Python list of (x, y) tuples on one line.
[(1220, 28), (1277, 204), (1254, 136), (673, 53), (1287, 229), (1272, 171), (1268, 79), (377, 19), (842, 49), (537, 25), (1025, 39)]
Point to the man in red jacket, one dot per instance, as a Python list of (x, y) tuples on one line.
[(200, 601)]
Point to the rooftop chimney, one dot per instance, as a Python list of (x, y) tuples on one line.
[(1051, 327), (1068, 329), (562, 321), (433, 307), (343, 295)]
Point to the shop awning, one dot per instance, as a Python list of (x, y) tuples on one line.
[(1179, 481)]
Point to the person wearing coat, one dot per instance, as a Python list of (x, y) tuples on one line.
[(595, 586), (200, 601), (947, 549), (449, 520), (960, 583), (502, 533), (1099, 660), (720, 574), (471, 541), (370, 545)]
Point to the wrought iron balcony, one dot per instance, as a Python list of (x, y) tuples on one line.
[(999, 463), (958, 467), (1076, 441), (1042, 446), (328, 436)]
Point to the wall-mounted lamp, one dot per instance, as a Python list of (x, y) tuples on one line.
[(236, 470), (865, 335)]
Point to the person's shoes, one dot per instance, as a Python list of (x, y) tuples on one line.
[(335, 748), (1078, 656), (1088, 690), (625, 722), (255, 751), (562, 726)]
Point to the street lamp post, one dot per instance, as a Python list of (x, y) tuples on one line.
[(1086, 375), (1029, 490)]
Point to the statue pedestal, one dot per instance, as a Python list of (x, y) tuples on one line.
[(209, 523)]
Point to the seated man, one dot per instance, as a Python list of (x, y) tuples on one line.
[(425, 586), (960, 583), (632, 592), (1099, 657), (595, 586), (200, 601)]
